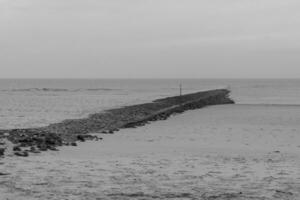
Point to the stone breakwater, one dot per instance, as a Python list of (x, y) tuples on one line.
[(68, 132)]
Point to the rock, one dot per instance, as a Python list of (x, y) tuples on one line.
[(52, 148), (39, 140), (22, 154), (95, 138), (23, 145), (34, 150), (2, 150), (110, 131), (25, 140), (4, 174), (74, 144), (52, 139), (17, 148), (42, 147), (81, 138)]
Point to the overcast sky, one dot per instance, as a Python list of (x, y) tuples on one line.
[(150, 38)]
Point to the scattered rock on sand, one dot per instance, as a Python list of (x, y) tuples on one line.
[(70, 131)]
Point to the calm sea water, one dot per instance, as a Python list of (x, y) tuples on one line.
[(31, 103)]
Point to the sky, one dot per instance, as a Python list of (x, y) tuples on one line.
[(149, 39)]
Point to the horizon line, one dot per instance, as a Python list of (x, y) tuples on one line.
[(147, 78)]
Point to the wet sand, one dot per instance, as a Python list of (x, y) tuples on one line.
[(218, 152)]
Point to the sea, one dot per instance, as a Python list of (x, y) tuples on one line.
[(28, 103)]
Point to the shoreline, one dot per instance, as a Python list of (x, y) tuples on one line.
[(67, 132), (218, 152)]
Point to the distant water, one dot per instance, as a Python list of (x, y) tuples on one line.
[(31, 103)]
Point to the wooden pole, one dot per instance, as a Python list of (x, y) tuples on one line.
[(180, 89)]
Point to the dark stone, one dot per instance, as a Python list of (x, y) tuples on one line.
[(52, 148), (39, 140), (34, 150), (130, 125), (51, 140), (17, 148), (110, 131), (2, 150), (81, 138), (26, 140), (42, 147), (22, 154), (74, 144)]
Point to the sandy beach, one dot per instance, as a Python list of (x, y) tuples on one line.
[(218, 152), (149, 100)]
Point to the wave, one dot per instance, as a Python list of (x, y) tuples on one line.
[(58, 90), (102, 89), (269, 104)]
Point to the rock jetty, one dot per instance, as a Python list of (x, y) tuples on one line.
[(68, 132)]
